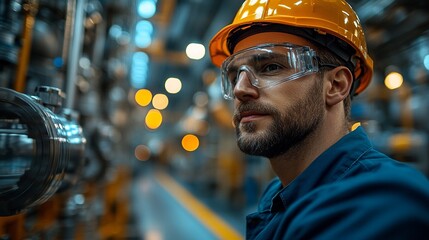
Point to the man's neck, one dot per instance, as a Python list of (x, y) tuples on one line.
[(291, 164)]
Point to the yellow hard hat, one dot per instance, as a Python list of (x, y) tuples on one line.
[(323, 17)]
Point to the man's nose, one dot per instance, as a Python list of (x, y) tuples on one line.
[(243, 87)]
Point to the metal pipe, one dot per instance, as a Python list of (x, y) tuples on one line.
[(30, 9), (75, 48), (71, 6), (41, 152)]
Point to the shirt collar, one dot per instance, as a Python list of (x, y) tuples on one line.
[(330, 166)]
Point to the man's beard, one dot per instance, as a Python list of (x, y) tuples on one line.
[(289, 127)]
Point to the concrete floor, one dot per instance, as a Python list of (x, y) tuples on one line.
[(165, 209)]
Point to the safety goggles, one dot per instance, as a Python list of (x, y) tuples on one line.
[(267, 65)]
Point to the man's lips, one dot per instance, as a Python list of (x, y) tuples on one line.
[(250, 116)]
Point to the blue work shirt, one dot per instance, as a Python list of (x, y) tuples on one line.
[(351, 191)]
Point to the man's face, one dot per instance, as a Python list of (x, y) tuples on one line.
[(270, 121)]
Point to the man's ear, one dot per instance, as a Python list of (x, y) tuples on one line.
[(340, 79)]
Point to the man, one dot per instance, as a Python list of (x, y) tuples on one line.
[(291, 68)]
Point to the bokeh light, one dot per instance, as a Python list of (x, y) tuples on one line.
[(201, 99), (195, 51), (355, 125), (190, 142), (142, 153), (393, 80), (143, 97), (139, 69), (426, 62), (160, 101), (153, 119), (144, 31), (173, 85), (147, 8)]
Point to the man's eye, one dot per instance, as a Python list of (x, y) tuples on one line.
[(271, 68), (232, 78)]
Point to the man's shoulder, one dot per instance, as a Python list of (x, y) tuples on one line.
[(379, 171), (369, 205), (384, 183)]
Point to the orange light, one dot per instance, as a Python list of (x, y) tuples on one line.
[(356, 125), (143, 97), (190, 142), (153, 119)]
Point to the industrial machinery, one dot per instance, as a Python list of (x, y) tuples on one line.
[(53, 136), (41, 145)]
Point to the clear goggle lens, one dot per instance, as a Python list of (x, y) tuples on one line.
[(267, 65)]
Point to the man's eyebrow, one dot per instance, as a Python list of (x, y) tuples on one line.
[(266, 56), (254, 59), (262, 57)]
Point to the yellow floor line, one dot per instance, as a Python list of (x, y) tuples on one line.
[(210, 220)]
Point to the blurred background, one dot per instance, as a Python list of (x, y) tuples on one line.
[(112, 124)]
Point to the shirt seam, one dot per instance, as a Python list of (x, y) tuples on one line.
[(354, 162)]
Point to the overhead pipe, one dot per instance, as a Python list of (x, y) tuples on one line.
[(74, 49), (30, 8)]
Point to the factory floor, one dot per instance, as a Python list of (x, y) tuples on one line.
[(164, 207)]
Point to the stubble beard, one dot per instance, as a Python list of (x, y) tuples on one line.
[(288, 128)]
